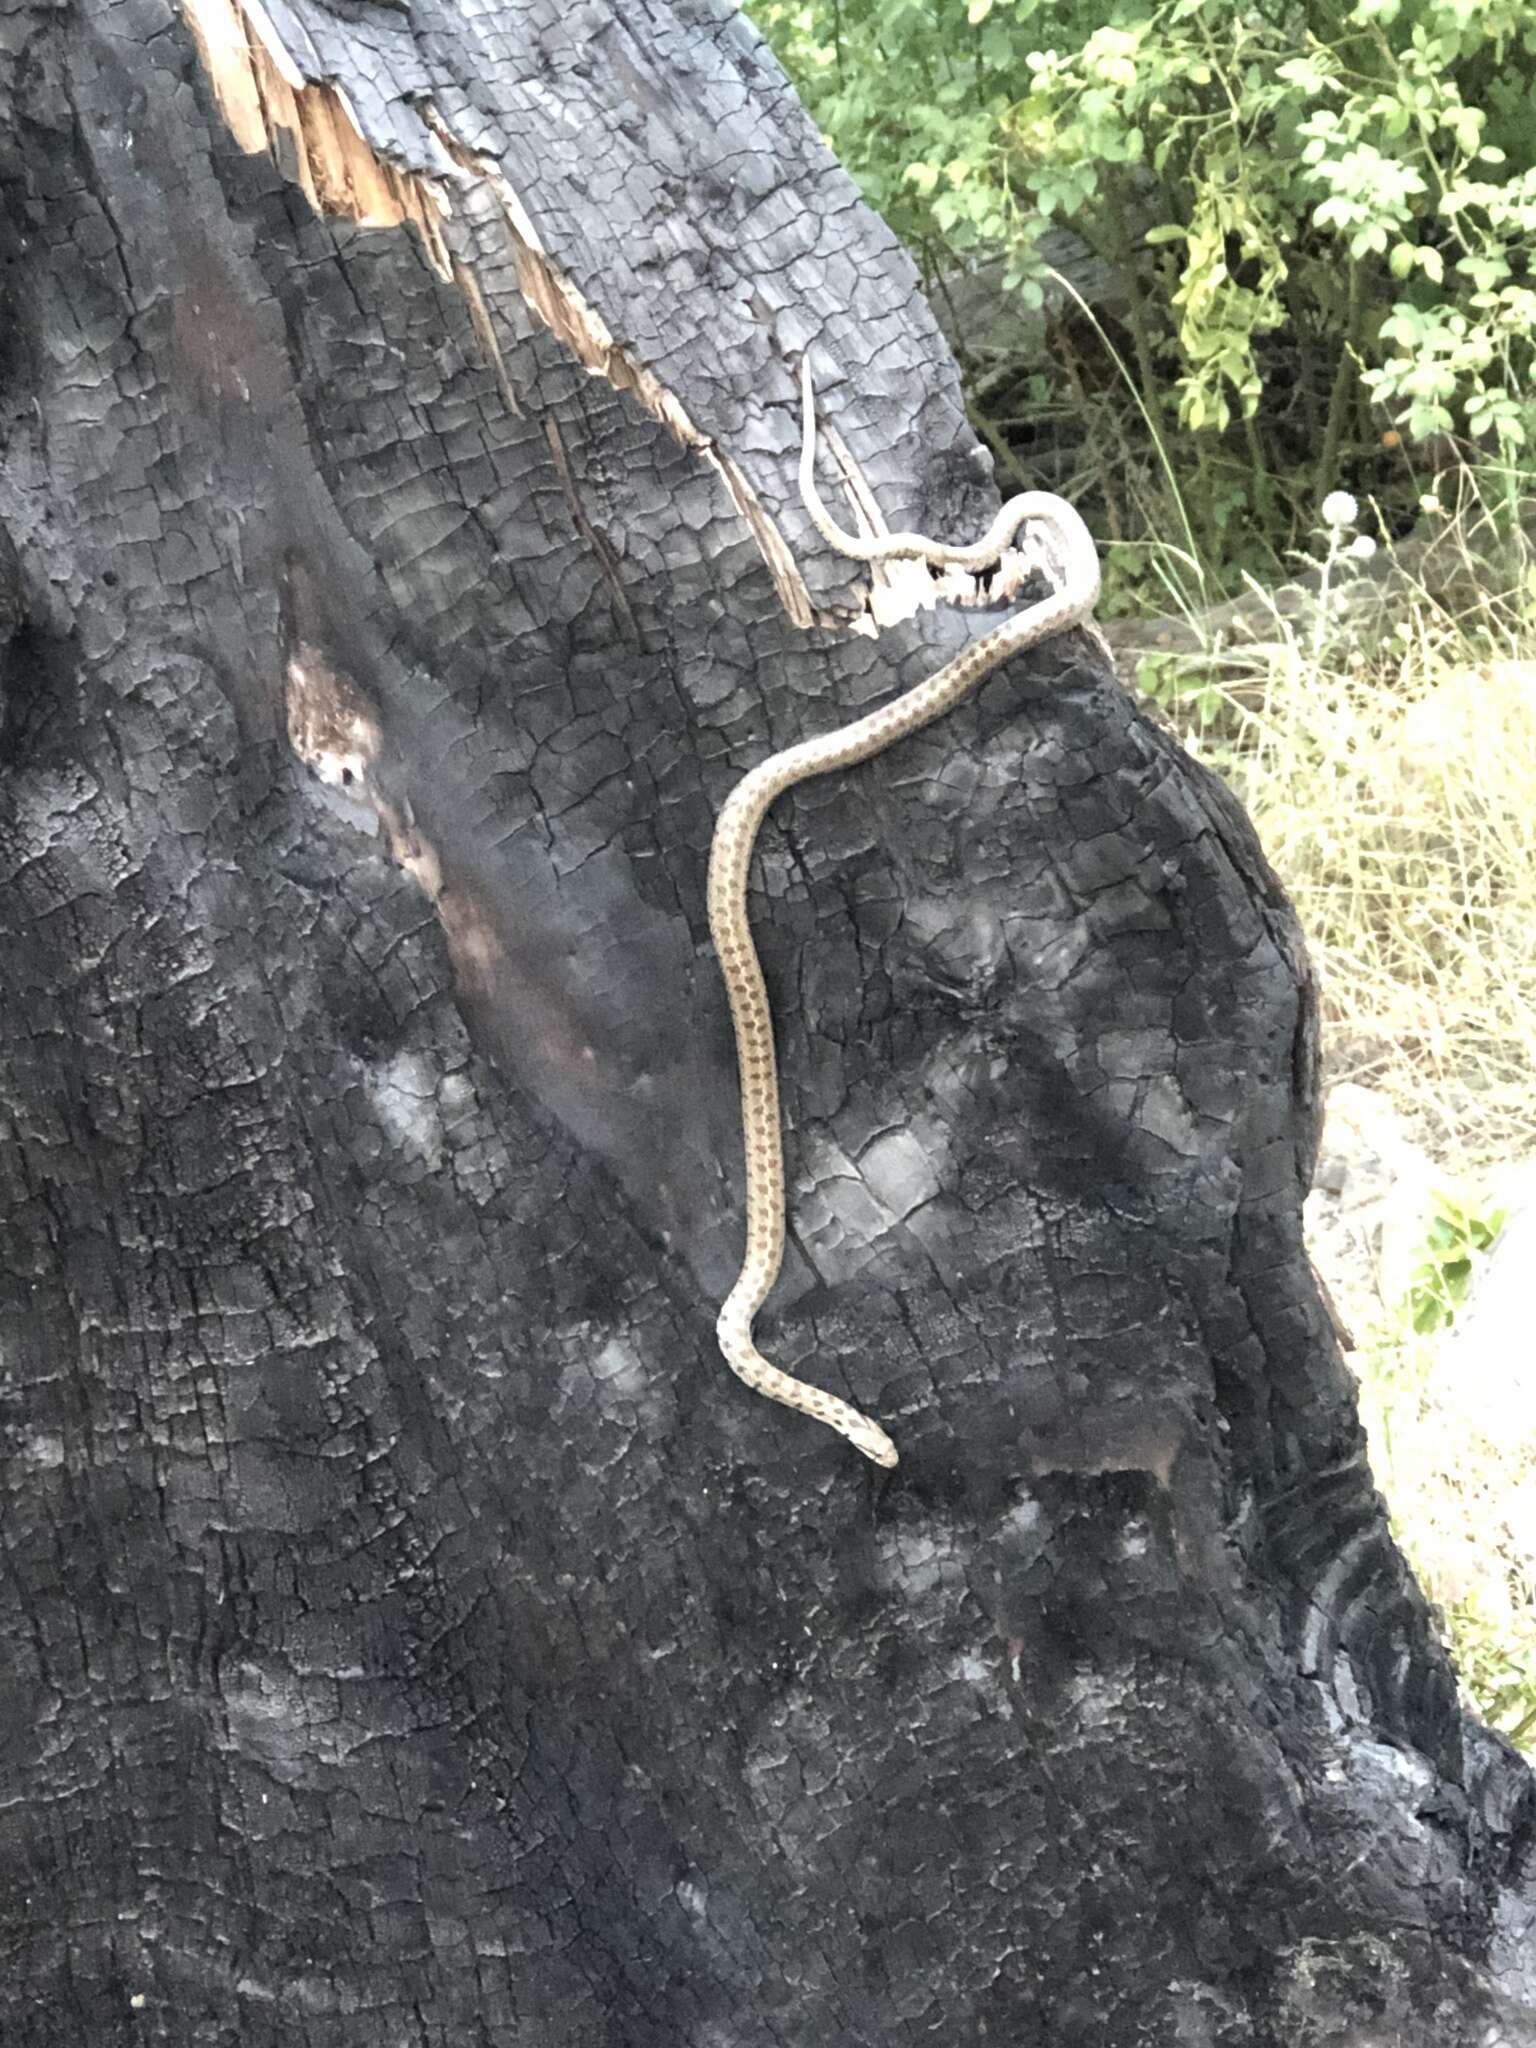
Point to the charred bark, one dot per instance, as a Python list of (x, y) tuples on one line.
[(411, 1632)]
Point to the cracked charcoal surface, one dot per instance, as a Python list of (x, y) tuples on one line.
[(408, 1630)]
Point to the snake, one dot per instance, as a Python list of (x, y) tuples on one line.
[(730, 857)]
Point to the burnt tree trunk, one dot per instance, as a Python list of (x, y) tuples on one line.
[(412, 1634)]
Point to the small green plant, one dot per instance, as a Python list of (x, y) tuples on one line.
[(1344, 551), (1499, 1674), (1459, 1235), (1454, 1454)]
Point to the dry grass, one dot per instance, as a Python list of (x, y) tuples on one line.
[(1394, 789), (1400, 809)]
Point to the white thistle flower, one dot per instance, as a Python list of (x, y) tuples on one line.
[(1362, 547), (1340, 509)]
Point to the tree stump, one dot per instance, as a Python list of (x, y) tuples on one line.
[(411, 1631)]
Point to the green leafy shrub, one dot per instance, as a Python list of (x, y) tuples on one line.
[(1319, 216)]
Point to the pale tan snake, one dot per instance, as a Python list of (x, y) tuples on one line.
[(731, 853)]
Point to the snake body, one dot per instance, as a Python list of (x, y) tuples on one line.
[(735, 836)]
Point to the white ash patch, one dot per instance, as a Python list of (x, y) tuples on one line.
[(917, 1562), (403, 1095)]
